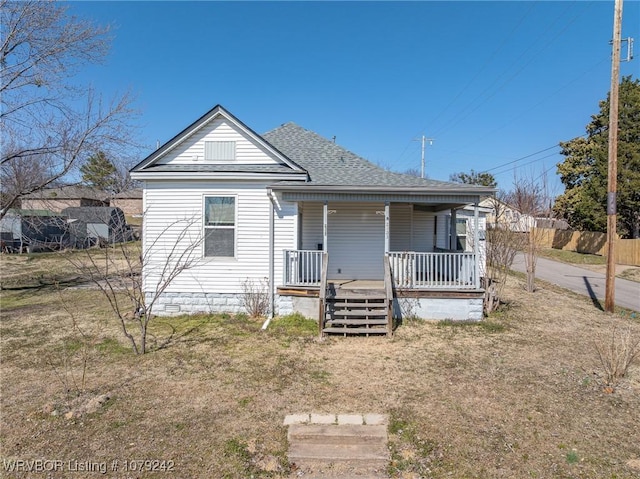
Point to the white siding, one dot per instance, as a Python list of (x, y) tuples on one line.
[(192, 149), (312, 225), (400, 224), (174, 215), (442, 230), (423, 224), (285, 233), (355, 236)]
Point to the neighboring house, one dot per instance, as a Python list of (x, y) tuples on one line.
[(57, 199), (315, 221), (90, 225), (503, 215), (33, 230), (130, 202)]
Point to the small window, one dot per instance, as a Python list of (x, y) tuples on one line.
[(461, 234), (219, 226), (219, 150)]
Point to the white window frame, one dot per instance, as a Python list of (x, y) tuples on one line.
[(459, 221), (205, 227)]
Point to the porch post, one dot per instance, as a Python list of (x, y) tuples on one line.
[(325, 219), (453, 241), (476, 245), (387, 231)]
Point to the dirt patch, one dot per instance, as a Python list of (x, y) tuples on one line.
[(77, 407), (522, 398)]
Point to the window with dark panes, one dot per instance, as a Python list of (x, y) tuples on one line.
[(219, 226), (461, 233)]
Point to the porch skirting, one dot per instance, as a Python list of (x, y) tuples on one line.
[(427, 305), (458, 309), (464, 306)]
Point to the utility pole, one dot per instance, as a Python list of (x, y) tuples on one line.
[(612, 183), (423, 139)]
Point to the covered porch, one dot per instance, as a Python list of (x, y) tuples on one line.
[(369, 259), (432, 242)]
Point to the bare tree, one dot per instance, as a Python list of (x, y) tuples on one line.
[(503, 244), (530, 199), (48, 123), (133, 280), (413, 172)]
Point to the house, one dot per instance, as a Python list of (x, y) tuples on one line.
[(33, 231), (332, 235), (503, 215), (130, 202), (91, 225), (57, 199)]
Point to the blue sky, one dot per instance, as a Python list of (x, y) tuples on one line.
[(490, 82)]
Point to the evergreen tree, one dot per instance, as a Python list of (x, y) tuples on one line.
[(584, 171), (99, 172), (474, 178)]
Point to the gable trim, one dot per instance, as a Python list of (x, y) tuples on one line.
[(220, 175)]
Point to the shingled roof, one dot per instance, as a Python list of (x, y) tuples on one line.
[(306, 160), (69, 192), (329, 164)]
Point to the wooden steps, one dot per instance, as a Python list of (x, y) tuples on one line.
[(350, 312)]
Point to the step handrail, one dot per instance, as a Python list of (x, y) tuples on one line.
[(323, 293)]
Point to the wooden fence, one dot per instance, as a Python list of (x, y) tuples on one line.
[(627, 250)]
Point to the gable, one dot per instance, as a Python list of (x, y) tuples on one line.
[(220, 142), (217, 145)]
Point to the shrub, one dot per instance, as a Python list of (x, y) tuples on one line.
[(616, 352), (255, 297)]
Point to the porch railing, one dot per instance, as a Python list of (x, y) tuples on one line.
[(302, 267), (439, 270)]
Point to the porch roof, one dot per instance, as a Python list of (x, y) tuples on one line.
[(435, 201)]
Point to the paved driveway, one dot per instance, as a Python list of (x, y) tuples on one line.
[(584, 281)]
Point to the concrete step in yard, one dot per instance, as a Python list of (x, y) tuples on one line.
[(337, 435), (338, 445)]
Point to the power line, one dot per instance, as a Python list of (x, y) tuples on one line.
[(525, 164), (485, 64), (524, 112), (477, 74), (455, 121), (519, 159)]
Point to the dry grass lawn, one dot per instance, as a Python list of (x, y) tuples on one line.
[(518, 395)]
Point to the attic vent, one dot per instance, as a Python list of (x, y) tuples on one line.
[(219, 150)]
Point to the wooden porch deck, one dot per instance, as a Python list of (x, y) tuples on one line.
[(367, 306), (365, 286)]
